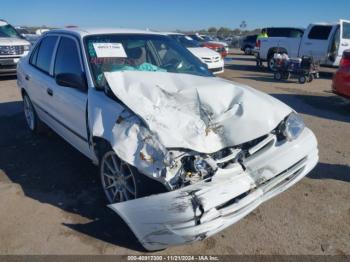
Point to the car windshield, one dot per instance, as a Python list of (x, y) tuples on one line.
[(185, 40), (139, 52), (8, 31)]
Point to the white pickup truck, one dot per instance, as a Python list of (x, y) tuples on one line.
[(325, 42)]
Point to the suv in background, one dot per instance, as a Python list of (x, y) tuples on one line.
[(12, 47), (247, 44)]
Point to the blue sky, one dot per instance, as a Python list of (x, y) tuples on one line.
[(173, 14)]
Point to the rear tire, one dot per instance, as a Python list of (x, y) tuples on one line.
[(271, 63), (34, 124)]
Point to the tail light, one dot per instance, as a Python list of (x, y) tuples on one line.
[(258, 43), (345, 61)]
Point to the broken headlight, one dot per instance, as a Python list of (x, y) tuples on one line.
[(293, 126)]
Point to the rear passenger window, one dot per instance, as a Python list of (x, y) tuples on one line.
[(44, 55), (67, 57), (320, 32), (34, 55), (346, 30)]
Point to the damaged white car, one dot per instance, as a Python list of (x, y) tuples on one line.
[(150, 114)]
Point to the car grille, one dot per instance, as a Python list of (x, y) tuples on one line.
[(12, 50), (213, 59), (246, 150)]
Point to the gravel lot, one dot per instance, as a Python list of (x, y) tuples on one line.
[(51, 202)]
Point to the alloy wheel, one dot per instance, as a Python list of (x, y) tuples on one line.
[(118, 179), (29, 112)]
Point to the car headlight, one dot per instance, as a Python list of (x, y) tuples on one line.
[(26, 47), (293, 126)]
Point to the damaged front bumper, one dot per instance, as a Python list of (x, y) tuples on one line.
[(200, 210)]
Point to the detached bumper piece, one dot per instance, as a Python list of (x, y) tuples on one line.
[(200, 210)]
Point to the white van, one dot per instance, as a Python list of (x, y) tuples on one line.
[(325, 42)]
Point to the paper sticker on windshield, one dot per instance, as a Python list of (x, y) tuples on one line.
[(109, 50)]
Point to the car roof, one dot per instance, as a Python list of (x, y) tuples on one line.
[(325, 23), (172, 33), (81, 32)]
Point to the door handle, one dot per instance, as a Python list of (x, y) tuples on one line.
[(308, 43), (344, 44), (49, 92), (27, 77)]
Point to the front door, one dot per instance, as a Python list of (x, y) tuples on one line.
[(69, 104)]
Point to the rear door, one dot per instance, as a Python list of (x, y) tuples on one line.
[(316, 42), (38, 75)]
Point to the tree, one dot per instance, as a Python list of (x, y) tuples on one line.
[(212, 30), (224, 32)]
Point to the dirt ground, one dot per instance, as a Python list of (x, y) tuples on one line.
[(51, 201)]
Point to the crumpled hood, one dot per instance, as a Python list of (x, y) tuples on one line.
[(205, 114)]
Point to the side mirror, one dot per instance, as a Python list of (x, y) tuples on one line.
[(72, 80)]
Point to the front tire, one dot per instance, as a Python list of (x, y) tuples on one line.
[(120, 181)]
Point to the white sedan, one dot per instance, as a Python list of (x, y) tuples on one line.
[(212, 59), (143, 108)]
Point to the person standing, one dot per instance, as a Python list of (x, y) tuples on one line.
[(263, 34)]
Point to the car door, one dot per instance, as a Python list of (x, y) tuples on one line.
[(68, 104), (316, 42), (38, 75)]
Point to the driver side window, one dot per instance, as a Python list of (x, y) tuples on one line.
[(67, 58)]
